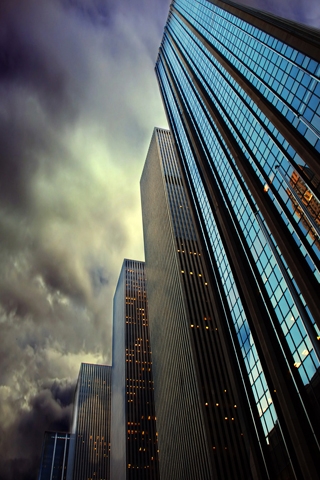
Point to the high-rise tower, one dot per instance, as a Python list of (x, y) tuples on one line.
[(242, 94), (134, 453), (89, 453), (205, 428)]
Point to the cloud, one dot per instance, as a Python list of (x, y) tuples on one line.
[(306, 12), (78, 104), (48, 409)]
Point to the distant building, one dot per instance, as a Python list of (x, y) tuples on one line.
[(241, 90), (54, 457), (134, 453), (89, 456)]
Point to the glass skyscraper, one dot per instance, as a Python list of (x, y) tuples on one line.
[(89, 455), (242, 95), (134, 438), (54, 457)]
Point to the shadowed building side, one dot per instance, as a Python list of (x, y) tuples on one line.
[(202, 432), (89, 455), (134, 438)]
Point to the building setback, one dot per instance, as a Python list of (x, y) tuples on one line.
[(242, 96), (54, 458), (89, 456), (134, 453)]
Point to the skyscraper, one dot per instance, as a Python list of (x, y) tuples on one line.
[(54, 458), (242, 96), (134, 440), (89, 455), (204, 432)]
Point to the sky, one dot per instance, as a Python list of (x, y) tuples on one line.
[(79, 101)]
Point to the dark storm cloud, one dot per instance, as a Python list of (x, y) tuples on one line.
[(42, 77), (78, 104), (50, 409), (306, 12)]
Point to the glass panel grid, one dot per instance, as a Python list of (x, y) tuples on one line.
[(275, 285), (286, 77), (261, 148)]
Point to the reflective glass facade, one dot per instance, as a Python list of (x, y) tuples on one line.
[(54, 457), (89, 456), (134, 436), (241, 91)]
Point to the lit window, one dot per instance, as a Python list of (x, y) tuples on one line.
[(307, 195)]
